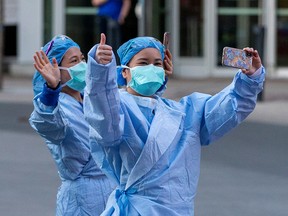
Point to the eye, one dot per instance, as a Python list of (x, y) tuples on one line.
[(142, 63), (158, 64), (74, 60)]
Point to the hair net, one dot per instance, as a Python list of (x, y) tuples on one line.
[(131, 48), (56, 48)]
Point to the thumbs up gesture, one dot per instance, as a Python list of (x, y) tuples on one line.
[(104, 52)]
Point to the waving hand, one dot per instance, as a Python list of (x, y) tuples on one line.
[(50, 73)]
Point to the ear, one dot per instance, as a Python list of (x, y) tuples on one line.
[(125, 73)]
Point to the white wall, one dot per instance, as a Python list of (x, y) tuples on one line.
[(30, 34), (10, 12)]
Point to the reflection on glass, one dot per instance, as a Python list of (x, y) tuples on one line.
[(282, 4), (235, 3), (80, 27), (191, 28), (238, 21), (47, 20), (282, 32)]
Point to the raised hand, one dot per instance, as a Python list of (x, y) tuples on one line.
[(50, 73), (168, 65), (104, 52), (256, 61)]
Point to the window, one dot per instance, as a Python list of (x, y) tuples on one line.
[(191, 28), (238, 24), (282, 32), (80, 24)]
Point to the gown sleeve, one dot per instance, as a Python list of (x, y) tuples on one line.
[(101, 101), (47, 120), (231, 106)]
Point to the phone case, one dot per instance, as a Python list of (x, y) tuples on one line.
[(237, 58), (166, 40)]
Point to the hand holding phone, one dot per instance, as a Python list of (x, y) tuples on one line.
[(237, 58)]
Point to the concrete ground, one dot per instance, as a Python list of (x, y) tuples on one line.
[(245, 173)]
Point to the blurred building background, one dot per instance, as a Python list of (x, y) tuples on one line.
[(199, 31)]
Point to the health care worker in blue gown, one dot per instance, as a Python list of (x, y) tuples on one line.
[(58, 117), (151, 145)]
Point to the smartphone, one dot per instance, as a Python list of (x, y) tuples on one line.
[(237, 58), (166, 40)]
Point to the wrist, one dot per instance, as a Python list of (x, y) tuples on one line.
[(53, 88), (50, 96)]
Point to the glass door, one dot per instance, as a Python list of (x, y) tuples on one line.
[(237, 21), (191, 28), (282, 33), (188, 27), (80, 24)]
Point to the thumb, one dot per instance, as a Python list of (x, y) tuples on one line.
[(103, 39)]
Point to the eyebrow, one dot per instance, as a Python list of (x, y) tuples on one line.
[(75, 56), (146, 59)]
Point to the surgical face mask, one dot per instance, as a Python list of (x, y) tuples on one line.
[(146, 80), (77, 74)]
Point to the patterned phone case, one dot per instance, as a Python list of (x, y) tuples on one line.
[(236, 58)]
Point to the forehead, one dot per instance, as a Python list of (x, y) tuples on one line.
[(148, 53), (73, 51)]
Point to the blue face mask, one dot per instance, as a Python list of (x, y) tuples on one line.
[(77, 74), (146, 80)]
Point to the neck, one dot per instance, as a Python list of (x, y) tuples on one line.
[(73, 93), (131, 91)]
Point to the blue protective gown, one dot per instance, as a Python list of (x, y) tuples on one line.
[(84, 189), (152, 146)]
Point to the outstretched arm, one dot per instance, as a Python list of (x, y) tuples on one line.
[(126, 5), (97, 3), (101, 97), (232, 105)]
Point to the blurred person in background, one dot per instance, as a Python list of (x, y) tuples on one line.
[(110, 16)]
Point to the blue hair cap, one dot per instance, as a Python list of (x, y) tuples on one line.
[(56, 48), (130, 48)]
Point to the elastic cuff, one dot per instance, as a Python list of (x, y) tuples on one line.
[(53, 88), (256, 74), (49, 96)]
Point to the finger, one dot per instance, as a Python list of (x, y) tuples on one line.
[(103, 39), (168, 70), (36, 60), (54, 62), (107, 52), (40, 58), (44, 57), (37, 68), (105, 59), (168, 63), (248, 49), (105, 47), (255, 53), (168, 53), (249, 52), (243, 71)]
